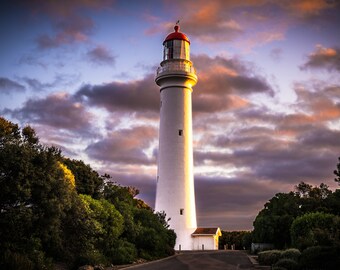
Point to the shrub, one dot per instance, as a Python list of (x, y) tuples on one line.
[(269, 257), (124, 253), (292, 253), (91, 257), (288, 264), (313, 229), (320, 258)]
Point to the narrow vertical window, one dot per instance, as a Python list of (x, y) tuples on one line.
[(181, 211), (180, 132)]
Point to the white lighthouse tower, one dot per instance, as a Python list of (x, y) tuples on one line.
[(175, 184)]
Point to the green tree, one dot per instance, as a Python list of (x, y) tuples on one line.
[(44, 219), (87, 180), (233, 238), (35, 196), (315, 229), (272, 224), (337, 172)]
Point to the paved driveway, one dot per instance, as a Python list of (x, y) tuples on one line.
[(211, 260)]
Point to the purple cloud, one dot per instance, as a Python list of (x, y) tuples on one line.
[(327, 58), (100, 55), (8, 86)]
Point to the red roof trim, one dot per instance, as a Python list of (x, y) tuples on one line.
[(176, 35)]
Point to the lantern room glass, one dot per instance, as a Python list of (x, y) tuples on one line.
[(176, 49)]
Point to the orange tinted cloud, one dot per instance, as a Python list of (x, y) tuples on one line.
[(322, 57), (307, 7)]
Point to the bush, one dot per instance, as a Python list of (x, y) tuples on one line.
[(35, 260), (269, 257), (91, 257), (288, 264), (315, 229), (320, 258), (124, 253), (292, 253)]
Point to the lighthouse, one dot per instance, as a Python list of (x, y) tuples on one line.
[(175, 183)]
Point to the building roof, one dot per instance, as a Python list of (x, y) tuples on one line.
[(207, 231), (176, 35)]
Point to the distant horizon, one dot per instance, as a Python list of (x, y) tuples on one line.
[(266, 111)]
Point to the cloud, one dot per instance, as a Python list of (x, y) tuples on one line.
[(69, 21), (223, 84), (231, 204), (64, 8), (56, 110), (126, 146), (328, 58), (68, 31), (283, 147), (132, 96), (276, 54), (59, 80), (208, 23), (7, 86), (101, 55), (307, 8)]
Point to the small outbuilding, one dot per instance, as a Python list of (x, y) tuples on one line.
[(206, 238)]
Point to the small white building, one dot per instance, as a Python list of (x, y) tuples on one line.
[(206, 238)]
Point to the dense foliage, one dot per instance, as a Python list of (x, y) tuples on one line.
[(54, 209), (307, 219), (273, 223), (235, 240)]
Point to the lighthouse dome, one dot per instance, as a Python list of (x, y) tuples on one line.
[(176, 35)]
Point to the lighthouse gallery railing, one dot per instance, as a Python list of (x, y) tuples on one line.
[(184, 66)]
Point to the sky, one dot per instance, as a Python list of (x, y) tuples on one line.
[(266, 108)]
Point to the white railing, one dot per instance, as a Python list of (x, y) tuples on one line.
[(183, 66)]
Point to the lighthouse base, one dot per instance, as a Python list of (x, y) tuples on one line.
[(184, 240)]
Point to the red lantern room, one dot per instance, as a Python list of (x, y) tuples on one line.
[(176, 46)]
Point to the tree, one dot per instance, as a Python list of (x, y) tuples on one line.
[(87, 181), (35, 197), (44, 219), (337, 172), (272, 224), (315, 229), (234, 238)]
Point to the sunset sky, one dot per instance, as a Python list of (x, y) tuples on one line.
[(266, 109)]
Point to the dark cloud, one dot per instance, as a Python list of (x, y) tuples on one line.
[(222, 76), (68, 31), (7, 86), (125, 146), (69, 21), (56, 110), (222, 83), (327, 58), (139, 95), (59, 80), (231, 204), (32, 61), (101, 55)]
